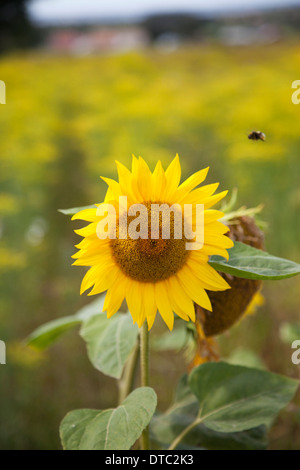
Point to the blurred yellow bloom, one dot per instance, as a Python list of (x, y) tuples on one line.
[(154, 273), (24, 356), (257, 301)]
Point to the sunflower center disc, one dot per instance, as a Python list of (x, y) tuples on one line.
[(150, 259)]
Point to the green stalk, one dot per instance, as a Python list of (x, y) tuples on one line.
[(144, 355), (182, 435), (127, 381)]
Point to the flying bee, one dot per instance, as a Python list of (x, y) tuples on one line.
[(257, 135)]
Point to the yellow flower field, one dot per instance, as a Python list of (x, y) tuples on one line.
[(65, 122)]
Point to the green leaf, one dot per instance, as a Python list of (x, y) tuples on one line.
[(109, 342), (74, 210), (289, 332), (91, 309), (73, 426), (47, 334), (175, 341), (113, 429), (50, 332), (235, 398), (248, 262), (166, 427), (245, 357)]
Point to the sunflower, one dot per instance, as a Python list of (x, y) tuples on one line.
[(154, 273)]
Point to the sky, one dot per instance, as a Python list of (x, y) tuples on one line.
[(51, 11)]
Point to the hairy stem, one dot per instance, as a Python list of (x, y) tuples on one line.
[(144, 355)]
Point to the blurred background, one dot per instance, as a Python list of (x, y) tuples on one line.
[(88, 83)]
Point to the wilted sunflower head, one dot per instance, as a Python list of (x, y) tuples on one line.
[(230, 306), (153, 270)]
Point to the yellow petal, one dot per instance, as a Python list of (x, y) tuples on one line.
[(135, 165), (149, 303), (88, 231), (125, 182), (86, 214), (190, 183), (199, 195), (209, 250), (211, 201), (193, 287), (173, 175), (181, 298), (88, 280), (159, 182), (96, 275), (163, 304), (135, 179), (109, 196), (134, 300), (87, 259), (211, 215), (115, 295), (93, 246), (113, 186), (215, 228), (144, 180), (221, 241), (207, 274)]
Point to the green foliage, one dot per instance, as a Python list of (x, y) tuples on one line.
[(114, 429), (235, 398), (248, 262), (153, 105), (175, 341), (223, 407), (245, 357), (167, 426), (47, 334), (109, 342), (73, 426)]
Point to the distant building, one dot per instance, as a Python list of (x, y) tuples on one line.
[(97, 40)]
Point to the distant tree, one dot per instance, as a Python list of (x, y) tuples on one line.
[(16, 30)]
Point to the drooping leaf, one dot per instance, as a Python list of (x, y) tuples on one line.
[(113, 429), (175, 341), (50, 332), (167, 426), (235, 398), (109, 342), (248, 262)]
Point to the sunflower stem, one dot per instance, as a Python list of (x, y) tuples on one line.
[(144, 358), (127, 381), (184, 433)]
